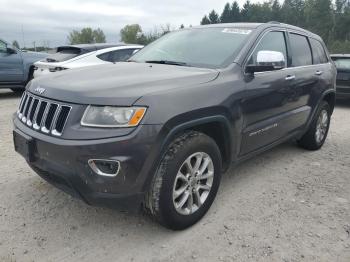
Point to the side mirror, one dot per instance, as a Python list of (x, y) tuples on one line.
[(11, 51), (267, 61), (135, 51)]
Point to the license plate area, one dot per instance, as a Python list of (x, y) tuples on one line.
[(24, 145)]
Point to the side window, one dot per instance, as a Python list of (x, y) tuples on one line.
[(318, 52), (121, 55), (301, 53), (105, 56), (3, 47), (272, 41)]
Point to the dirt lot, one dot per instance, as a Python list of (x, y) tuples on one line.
[(284, 205)]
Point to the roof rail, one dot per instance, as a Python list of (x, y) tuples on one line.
[(273, 22)]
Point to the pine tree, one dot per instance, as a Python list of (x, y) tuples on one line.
[(205, 20), (235, 12), (214, 17), (226, 14)]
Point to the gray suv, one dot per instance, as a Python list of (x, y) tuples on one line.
[(16, 66), (157, 132)]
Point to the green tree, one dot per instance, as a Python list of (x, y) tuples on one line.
[(15, 44), (320, 18), (205, 20), (246, 12), (235, 12), (86, 36), (99, 36), (276, 11), (130, 33), (226, 14), (214, 17)]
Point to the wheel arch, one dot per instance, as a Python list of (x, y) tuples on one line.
[(217, 127), (330, 98)]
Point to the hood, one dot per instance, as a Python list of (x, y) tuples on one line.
[(118, 84)]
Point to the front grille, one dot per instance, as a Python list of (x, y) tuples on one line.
[(41, 114)]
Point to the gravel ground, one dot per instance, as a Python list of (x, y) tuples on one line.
[(284, 205)]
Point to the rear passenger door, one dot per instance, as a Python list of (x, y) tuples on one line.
[(324, 70), (306, 73)]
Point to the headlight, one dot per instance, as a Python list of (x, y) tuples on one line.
[(110, 116)]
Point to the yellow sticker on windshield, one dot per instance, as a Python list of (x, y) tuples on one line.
[(237, 31)]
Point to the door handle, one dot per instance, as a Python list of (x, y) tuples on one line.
[(318, 73), (290, 77)]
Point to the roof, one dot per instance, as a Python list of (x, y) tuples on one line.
[(240, 25), (262, 26), (93, 47)]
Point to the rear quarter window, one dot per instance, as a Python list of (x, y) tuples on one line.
[(318, 52), (301, 52)]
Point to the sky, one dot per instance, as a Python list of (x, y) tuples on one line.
[(50, 21)]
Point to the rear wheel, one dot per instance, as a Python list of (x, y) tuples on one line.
[(318, 130), (186, 182)]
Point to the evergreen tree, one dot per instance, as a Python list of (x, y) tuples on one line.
[(205, 20), (246, 12), (214, 17), (276, 11), (320, 18), (235, 12), (226, 14)]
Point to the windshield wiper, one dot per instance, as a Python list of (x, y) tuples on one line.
[(167, 62)]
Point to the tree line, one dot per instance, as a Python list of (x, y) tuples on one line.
[(328, 20)]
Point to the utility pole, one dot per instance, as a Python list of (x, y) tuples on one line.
[(24, 45)]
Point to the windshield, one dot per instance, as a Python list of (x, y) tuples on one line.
[(199, 47), (342, 63)]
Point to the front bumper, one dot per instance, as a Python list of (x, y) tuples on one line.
[(64, 163)]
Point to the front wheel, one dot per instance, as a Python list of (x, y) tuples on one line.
[(186, 182), (318, 130)]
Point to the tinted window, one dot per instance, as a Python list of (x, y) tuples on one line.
[(301, 53), (318, 53), (342, 63), (105, 56), (121, 55), (272, 41), (201, 47)]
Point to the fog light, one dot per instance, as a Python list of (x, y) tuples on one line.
[(105, 167)]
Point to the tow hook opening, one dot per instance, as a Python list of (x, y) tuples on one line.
[(105, 167)]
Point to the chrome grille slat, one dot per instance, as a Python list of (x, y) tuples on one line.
[(26, 109), (43, 115), (21, 102)]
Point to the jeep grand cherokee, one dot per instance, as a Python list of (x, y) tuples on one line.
[(157, 132)]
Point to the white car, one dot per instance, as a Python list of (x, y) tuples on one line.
[(75, 56)]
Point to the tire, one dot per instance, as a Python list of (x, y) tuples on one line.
[(17, 90), (168, 182), (311, 140)]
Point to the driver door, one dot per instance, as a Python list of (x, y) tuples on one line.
[(270, 108), (11, 66)]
